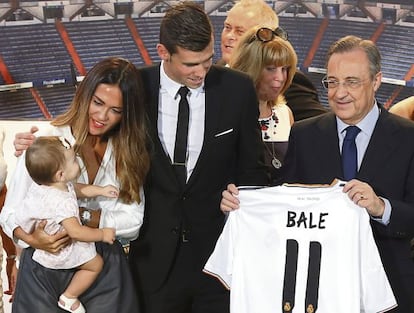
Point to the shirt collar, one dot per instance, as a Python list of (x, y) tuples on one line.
[(367, 124), (171, 86)]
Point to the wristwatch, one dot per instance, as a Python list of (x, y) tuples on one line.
[(86, 217)]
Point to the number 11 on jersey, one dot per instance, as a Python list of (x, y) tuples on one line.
[(312, 285)]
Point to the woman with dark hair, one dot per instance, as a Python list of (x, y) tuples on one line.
[(106, 124)]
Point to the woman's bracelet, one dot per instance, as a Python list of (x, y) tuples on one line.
[(11, 257)]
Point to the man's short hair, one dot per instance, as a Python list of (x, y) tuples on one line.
[(187, 26), (349, 43), (264, 15)]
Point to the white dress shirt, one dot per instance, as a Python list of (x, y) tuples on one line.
[(168, 116)]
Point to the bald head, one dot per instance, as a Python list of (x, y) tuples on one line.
[(244, 15)]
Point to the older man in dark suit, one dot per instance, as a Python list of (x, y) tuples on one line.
[(182, 218), (380, 172), (384, 178)]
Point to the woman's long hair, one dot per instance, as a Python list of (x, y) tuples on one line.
[(130, 137)]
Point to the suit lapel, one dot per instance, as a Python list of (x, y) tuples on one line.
[(211, 118), (213, 99), (151, 77), (383, 142), (380, 149), (329, 138)]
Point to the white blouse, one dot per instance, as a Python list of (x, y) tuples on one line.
[(276, 128), (125, 218)]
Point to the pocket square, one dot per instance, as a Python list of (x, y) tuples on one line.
[(224, 133)]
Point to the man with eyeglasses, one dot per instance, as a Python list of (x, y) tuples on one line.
[(302, 96), (383, 181)]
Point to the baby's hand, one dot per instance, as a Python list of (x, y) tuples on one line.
[(108, 235), (110, 191)]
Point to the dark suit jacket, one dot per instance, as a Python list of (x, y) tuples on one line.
[(302, 98), (231, 104), (388, 167)]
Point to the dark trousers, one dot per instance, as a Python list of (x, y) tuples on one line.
[(187, 290)]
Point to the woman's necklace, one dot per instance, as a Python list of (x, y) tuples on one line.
[(275, 161), (266, 127)]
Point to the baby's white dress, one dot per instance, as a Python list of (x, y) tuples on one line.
[(54, 205)]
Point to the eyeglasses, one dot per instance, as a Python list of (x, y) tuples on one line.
[(265, 34), (350, 83)]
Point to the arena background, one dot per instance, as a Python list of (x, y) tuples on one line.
[(46, 47)]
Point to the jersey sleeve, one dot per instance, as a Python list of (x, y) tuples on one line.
[(376, 292), (220, 263)]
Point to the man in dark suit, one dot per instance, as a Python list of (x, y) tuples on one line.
[(302, 96), (183, 222), (383, 183)]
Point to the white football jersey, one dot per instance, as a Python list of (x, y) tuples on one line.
[(300, 249)]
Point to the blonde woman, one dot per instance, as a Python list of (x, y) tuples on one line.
[(269, 59)]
